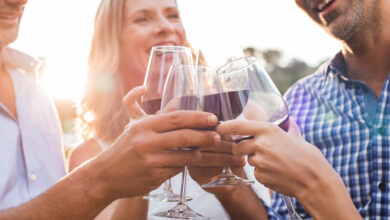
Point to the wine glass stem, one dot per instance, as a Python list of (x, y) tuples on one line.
[(290, 208), (168, 187), (227, 171), (183, 187)]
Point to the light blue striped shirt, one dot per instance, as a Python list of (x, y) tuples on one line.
[(31, 153), (343, 118)]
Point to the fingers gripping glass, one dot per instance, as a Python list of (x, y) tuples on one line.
[(210, 100), (180, 93), (248, 93), (160, 61)]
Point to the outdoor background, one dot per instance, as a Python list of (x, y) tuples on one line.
[(291, 45)]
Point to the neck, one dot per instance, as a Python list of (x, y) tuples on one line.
[(368, 55)]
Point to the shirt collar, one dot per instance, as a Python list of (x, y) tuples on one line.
[(337, 66), (16, 59)]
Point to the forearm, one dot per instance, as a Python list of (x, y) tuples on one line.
[(243, 203), (131, 208), (77, 196), (329, 199)]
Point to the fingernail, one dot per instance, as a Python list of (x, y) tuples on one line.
[(212, 120)]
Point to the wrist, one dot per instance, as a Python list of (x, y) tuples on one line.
[(92, 179), (326, 197)]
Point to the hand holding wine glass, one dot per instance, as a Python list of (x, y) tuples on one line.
[(160, 61), (249, 95), (181, 93), (214, 158), (227, 102)]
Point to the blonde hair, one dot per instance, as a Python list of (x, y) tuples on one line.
[(101, 112)]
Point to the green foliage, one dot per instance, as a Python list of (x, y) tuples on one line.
[(283, 76)]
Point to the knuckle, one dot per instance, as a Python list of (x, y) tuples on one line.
[(175, 118), (149, 161), (272, 128), (235, 128), (184, 137), (211, 139), (266, 145), (261, 164), (139, 145), (188, 158), (250, 160), (237, 150)]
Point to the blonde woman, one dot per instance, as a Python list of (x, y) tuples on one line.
[(125, 32)]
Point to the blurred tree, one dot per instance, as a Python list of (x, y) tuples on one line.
[(283, 76)]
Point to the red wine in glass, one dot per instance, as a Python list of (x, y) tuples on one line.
[(152, 106)]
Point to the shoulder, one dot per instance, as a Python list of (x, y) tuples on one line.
[(82, 153), (16, 59)]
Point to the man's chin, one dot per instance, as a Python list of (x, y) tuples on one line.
[(7, 39)]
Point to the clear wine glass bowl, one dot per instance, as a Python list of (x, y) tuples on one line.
[(248, 93), (181, 93), (161, 60)]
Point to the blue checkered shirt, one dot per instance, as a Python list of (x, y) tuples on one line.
[(331, 111)]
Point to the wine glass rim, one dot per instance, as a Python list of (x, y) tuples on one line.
[(170, 48), (194, 66), (252, 60)]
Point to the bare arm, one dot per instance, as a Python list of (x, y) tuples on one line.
[(148, 145), (80, 192), (127, 208)]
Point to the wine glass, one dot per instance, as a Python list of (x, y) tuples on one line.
[(160, 61), (210, 101), (181, 93), (248, 93)]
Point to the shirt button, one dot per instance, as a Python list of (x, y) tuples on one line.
[(382, 130), (33, 177), (382, 186)]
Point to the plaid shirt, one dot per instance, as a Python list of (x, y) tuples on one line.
[(331, 111)]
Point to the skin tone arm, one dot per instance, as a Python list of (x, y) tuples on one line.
[(128, 208), (290, 171), (135, 164)]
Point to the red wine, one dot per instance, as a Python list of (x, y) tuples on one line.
[(189, 102), (211, 103), (233, 103), (285, 124), (152, 106)]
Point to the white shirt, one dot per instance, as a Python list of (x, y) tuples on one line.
[(31, 153)]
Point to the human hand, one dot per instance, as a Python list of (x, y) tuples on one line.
[(286, 163), (283, 161), (146, 154), (214, 159), (131, 102)]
